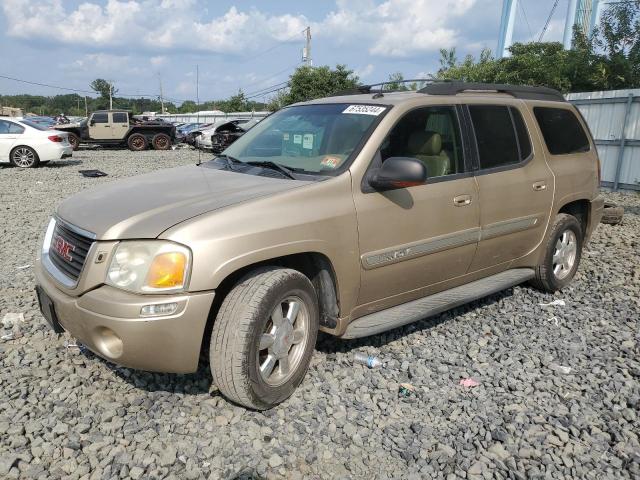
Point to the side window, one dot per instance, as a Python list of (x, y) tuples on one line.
[(524, 141), (4, 126), (100, 118), (431, 135), (495, 135), (15, 128), (561, 130), (120, 117)]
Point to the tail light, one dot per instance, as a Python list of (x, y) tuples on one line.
[(56, 138)]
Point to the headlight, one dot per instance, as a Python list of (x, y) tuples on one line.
[(149, 266)]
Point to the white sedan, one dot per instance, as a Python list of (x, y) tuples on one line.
[(26, 144)]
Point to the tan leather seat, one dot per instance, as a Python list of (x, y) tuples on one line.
[(427, 147)]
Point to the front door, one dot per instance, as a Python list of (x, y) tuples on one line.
[(119, 125), (99, 126), (515, 184), (414, 237)]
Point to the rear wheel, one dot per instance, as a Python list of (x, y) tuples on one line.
[(74, 140), (24, 157), (562, 254), (137, 142), (263, 337), (161, 141)]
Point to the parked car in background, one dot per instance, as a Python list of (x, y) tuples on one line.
[(26, 144), (354, 215), (228, 133), (118, 128), (41, 120)]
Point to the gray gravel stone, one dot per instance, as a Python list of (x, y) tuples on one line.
[(68, 414)]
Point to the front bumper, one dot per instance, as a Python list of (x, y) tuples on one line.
[(107, 321)]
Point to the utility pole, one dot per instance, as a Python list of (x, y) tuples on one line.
[(111, 95), (86, 108), (306, 53), (161, 97)]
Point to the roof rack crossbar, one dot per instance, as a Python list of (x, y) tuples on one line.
[(360, 89), (517, 91)]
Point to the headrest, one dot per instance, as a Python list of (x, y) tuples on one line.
[(425, 143)]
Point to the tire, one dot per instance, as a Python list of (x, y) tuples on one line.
[(240, 346), (137, 142), (44, 163), (74, 140), (24, 157), (558, 268), (161, 141), (612, 214)]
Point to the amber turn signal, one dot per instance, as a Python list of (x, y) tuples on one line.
[(167, 270)]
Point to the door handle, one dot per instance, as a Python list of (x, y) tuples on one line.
[(539, 186), (462, 200)]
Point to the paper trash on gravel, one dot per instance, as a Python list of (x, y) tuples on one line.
[(555, 303), (10, 319), (469, 382)]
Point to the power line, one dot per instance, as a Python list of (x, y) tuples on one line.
[(546, 24), (524, 14), (267, 93), (282, 43)]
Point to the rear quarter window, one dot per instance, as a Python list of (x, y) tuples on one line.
[(561, 130)]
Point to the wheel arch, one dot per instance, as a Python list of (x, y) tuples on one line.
[(579, 208), (15, 147)]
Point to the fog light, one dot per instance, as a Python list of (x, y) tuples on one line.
[(108, 342), (159, 310)]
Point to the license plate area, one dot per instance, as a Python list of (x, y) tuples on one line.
[(48, 310)]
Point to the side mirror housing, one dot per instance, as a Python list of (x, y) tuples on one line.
[(92, 123), (399, 172)]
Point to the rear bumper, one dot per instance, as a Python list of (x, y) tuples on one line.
[(107, 321)]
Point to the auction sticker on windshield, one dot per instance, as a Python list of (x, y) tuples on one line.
[(364, 109)]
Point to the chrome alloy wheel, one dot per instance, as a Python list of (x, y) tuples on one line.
[(23, 157), (564, 255), (283, 341)]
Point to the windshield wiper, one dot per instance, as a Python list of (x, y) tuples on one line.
[(287, 172), (230, 161)]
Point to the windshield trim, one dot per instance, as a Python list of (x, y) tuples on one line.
[(357, 149)]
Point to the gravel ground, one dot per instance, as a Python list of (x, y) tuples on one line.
[(558, 393)]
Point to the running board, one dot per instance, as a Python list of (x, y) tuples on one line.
[(415, 310)]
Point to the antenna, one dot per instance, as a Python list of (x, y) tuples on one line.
[(198, 106)]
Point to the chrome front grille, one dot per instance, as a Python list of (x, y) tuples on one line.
[(68, 250)]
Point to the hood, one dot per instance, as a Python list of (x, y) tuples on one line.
[(146, 205)]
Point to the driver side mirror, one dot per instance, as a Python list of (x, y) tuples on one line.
[(92, 123), (399, 172)]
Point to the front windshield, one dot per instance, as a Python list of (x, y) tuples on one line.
[(314, 138)]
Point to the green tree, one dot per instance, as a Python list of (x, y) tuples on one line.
[(102, 87), (308, 83), (395, 82)]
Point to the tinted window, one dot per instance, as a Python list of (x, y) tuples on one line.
[(495, 136), (35, 125), (561, 130), (524, 143), (431, 135), (10, 127), (100, 118), (4, 126), (120, 117)]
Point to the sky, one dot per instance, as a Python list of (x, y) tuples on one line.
[(242, 44)]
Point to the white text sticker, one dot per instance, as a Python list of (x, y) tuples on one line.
[(307, 141), (364, 109), (297, 139)]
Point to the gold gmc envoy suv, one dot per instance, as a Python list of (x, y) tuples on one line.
[(353, 215)]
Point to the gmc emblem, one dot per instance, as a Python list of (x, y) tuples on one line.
[(63, 248)]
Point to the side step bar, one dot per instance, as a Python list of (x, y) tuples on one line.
[(415, 310)]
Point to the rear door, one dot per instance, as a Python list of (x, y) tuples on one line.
[(9, 133), (99, 126), (411, 238), (119, 125), (514, 181)]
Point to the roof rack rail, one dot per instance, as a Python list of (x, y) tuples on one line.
[(517, 91), (364, 89)]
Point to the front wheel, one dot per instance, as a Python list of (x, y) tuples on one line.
[(263, 337), (24, 157), (562, 254)]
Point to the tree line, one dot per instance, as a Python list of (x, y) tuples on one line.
[(607, 59)]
